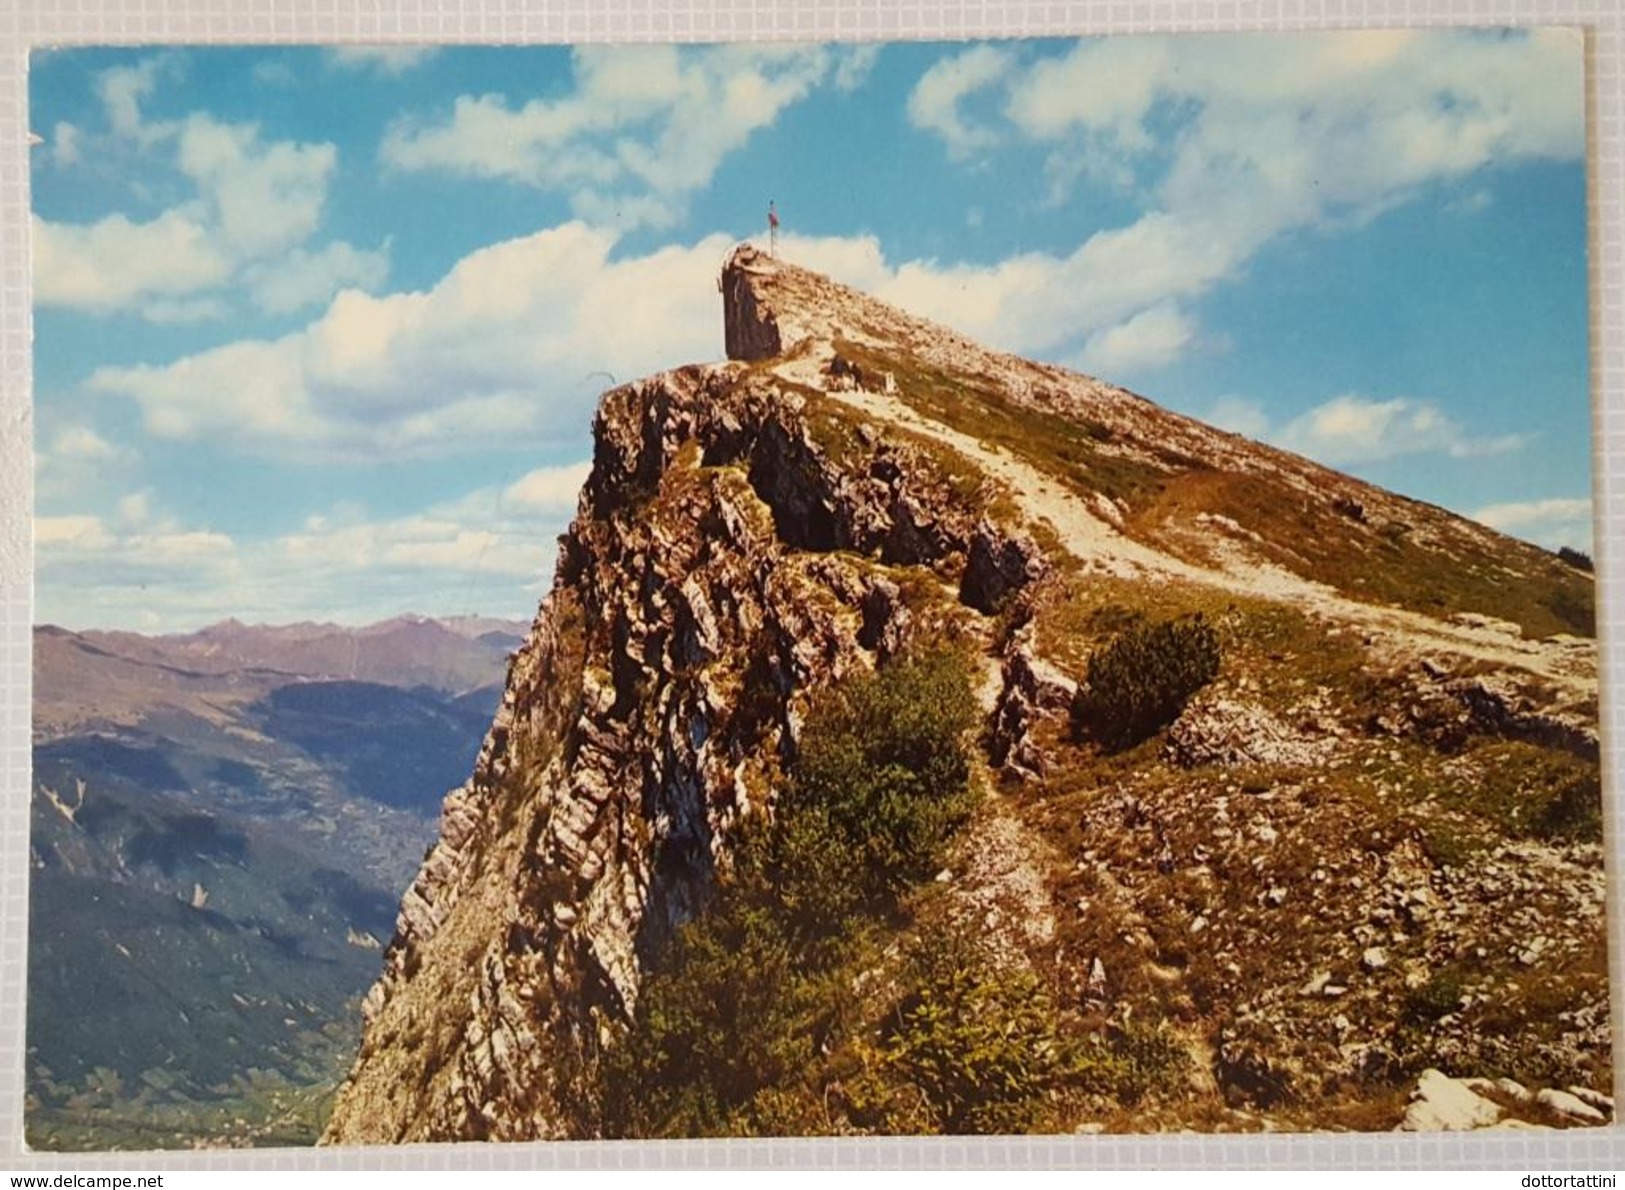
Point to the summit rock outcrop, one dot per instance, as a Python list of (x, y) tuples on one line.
[(1398, 751)]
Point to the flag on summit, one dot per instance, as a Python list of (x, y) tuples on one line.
[(772, 216)]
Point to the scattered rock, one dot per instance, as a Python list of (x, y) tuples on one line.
[(1218, 729), (1445, 710), (998, 565), (1514, 1089), (1317, 983), (1094, 990), (1569, 1106), (1603, 1103), (1031, 688), (1442, 1104), (1506, 1087)]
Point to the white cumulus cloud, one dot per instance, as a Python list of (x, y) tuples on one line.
[(115, 263), (253, 207), (1551, 523), (1353, 429), (302, 277), (1045, 304), (64, 144), (85, 532), (517, 340), (123, 89), (82, 442), (183, 310), (934, 104), (553, 489), (77, 465), (645, 126), (1276, 133), (1239, 415), (490, 550), (259, 197), (381, 59), (1153, 337), (1532, 512)]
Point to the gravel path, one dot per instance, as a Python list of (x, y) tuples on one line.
[(1569, 663)]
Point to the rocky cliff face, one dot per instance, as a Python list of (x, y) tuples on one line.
[(1305, 852)]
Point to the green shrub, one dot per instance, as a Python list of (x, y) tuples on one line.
[(714, 1025), (1141, 679), (880, 785), (1573, 809), (812, 869), (1126, 1062), (1576, 558), (1149, 1058), (1576, 609), (1529, 791), (1439, 996), (732, 1023), (1451, 846), (975, 1041)]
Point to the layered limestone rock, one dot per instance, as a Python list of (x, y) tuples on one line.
[(854, 479)]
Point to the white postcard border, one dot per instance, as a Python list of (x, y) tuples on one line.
[(26, 24)]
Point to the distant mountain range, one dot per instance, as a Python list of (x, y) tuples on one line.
[(223, 823)]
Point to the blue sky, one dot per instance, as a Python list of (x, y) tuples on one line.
[(319, 332)]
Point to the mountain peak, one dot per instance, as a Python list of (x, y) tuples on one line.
[(772, 307), (1379, 696), (759, 312), (1145, 489)]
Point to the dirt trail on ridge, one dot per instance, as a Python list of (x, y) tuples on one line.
[(1569, 663)]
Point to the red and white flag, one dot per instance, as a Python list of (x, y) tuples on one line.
[(772, 216)]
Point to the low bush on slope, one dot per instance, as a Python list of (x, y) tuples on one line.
[(970, 1047), (755, 987), (788, 1008), (1140, 680), (881, 783)]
